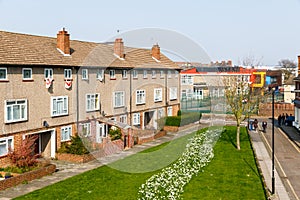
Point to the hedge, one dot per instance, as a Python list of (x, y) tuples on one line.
[(181, 120)]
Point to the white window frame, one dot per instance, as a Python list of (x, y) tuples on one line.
[(160, 113), (153, 74), (85, 74), (86, 127), (112, 74), (123, 119), (176, 74), (157, 94), (140, 97), (5, 73), (187, 80), (135, 73), (124, 73), (48, 73), (169, 74), (170, 111), (145, 74), (173, 93), (65, 133), (136, 119), (65, 107), (23, 73), (8, 142), (13, 104), (92, 102), (162, 73), (100, 74), (121, 102), (68, 73)]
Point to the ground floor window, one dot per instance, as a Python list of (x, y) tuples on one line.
[(136, 118), (123, 119), (86, 129), (66, 133), (170, 111), (5, 144)]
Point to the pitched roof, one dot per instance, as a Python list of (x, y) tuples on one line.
[(24, 49)]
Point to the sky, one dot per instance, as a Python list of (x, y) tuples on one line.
[(265, 30)]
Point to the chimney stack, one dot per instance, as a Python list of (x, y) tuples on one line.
[(119, 48), (155, 51), (63, 41), (229, 63)]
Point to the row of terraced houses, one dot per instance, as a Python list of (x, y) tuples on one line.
[(56, 88)]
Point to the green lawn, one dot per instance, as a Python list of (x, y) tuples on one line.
[(232, 174)]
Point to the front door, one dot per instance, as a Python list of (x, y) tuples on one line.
[(101, 132)]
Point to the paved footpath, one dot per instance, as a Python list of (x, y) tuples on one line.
[(66, 170)]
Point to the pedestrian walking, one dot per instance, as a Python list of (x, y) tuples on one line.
[(255, 124), (283, 118), (264, 125), (279, 119)]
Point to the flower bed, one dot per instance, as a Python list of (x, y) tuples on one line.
[(169, 183), (27, 176), (74, 158)]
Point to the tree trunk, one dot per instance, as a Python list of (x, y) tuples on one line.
[(238, 137)]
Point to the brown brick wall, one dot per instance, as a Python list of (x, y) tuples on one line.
[(266, 109), (28, 176)]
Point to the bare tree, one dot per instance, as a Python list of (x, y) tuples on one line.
[(288, 67), (250, 60), (237, 92)]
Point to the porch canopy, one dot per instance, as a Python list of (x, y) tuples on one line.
[(114, 123)]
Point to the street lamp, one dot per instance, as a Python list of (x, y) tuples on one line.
[(273, 155)]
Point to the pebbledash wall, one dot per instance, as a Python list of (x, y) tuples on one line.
[(53, 101)]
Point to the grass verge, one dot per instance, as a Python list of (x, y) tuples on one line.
[(232, 174)]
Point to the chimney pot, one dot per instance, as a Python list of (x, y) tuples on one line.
[(155, 51), (63, 41), (119, 47)]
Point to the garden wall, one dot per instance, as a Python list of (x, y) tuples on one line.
[(27, 176), (74, 158)]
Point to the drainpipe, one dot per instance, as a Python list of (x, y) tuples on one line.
[(77, 98)]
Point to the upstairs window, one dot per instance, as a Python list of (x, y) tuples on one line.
[(145, 74), (68, 73), (112, 74), (100, 74), (153, 74), (157, 94), (48, 73), (16, 110), (3, 74), (119, 99), (92, 102), (59, 106), (140, 96), (27, 73), (173, 93), (85, 74), (135, 73), (124, 73), (162, 73), (169, 74)]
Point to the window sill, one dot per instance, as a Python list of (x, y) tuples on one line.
[(113, 79), (140, 104), (68, 79), (27, 80), (4, 80)]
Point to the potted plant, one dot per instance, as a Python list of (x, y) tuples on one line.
[(7, 175)]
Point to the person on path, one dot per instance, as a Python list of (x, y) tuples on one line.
[(264, 125), (279, 119), (283, 119), (255, 124)]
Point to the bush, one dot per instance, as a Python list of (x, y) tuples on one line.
[(183, 119), (115, 134), (24, 157), (75, 147)]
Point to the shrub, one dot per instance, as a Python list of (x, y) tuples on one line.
[(183, 119), (75, 147), (24, 156), (115, 134)]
